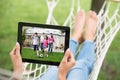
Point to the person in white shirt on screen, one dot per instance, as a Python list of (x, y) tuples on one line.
[(41, 41), (35, 39)]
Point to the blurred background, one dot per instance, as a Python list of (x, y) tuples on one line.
[(14, 11)]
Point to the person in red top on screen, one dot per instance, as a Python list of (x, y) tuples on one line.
[(45, 46), (51, 41)]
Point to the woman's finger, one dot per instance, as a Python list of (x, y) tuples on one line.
[(70, 56), (66, 56), (17, 49), (13, 51)]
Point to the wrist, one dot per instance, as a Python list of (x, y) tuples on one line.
[(61, 77), (17, 76)]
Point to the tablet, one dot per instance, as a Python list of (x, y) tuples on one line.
[(43, 43)]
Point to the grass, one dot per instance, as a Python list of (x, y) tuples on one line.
[(14, 11), (28, 53)]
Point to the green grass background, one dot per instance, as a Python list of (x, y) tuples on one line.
[(28, 53), (14, 11)]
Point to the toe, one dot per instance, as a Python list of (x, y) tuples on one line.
[(90, 14), (94, 15), (82, 12)]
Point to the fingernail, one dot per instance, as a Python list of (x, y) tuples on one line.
[(17, 43), (68, 49)]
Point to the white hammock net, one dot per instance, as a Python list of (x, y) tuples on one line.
[(108, 26)]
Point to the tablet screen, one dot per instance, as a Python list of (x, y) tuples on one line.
[(43, 44)]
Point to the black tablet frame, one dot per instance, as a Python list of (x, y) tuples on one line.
[(19, 39)]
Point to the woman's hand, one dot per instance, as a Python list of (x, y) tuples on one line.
[(66, 64), (16, 59)]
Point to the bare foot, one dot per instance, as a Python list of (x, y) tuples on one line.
[(91, 25), (79, 24)]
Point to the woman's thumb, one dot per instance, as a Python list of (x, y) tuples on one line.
[(17, 48)]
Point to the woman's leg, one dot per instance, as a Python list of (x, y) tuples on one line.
[(84, 62), (34, 47), (85, 59), (42, 48), (51, 47), (52, 73), (87, 54), (37, 47)]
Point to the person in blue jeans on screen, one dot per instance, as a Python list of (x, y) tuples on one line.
[(69, 68)]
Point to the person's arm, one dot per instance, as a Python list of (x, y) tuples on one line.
[(66, 64), (17, 63)]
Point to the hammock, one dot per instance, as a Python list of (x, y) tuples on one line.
[(104, 36)]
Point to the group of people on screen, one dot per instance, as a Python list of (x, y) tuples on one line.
[(43, 43)]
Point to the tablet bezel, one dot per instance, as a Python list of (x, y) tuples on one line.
[(19, 39)]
